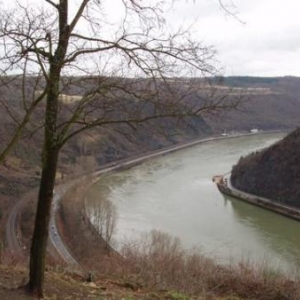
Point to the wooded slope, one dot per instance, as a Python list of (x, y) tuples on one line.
[(273, 172)]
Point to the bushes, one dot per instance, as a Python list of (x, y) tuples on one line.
[(158, 262), (103, 215)]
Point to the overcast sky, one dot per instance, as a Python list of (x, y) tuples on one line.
[(266, 42), (264, 39)]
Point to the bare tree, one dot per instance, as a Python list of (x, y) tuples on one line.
[(103, 215), (122, 76)]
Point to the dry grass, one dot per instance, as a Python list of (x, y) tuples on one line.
[(155, 267), (159, 263), (12, 259)]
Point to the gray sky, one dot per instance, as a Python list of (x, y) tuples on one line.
[(265, 42)]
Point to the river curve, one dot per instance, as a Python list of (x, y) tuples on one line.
[(175, 194)]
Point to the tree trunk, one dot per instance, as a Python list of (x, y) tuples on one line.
[(49, 165), (49, 158), (41, 228)]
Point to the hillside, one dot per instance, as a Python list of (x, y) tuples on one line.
[(273, 172), (266, 104), (167, 273)]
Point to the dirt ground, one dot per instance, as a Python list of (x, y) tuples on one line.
[(60, 286), (57, 286)]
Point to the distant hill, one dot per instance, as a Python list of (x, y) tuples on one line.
[(273, 172), (266, 104)]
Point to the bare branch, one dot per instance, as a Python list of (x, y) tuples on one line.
[(17, 134), (229, 11), (52, 3), (78, 14), (138, 71)]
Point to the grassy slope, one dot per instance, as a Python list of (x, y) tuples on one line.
[(230, 284)]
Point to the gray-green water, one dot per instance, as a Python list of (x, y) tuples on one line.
[(175, 194)]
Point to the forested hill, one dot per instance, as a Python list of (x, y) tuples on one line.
[(267, 104), (273, 173)]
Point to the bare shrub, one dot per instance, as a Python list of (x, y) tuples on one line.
[(75, 227), (162, 262), (158, 261), (103, 215)]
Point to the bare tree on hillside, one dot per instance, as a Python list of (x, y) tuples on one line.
[(104, 217), (126, 76)]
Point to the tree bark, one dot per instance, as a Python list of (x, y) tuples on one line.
[(50, 154), (40, 235), (49, 165)]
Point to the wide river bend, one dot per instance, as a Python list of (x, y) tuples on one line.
[(175, 194)]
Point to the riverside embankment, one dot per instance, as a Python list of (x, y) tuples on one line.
[(210, 144), (175, 194), (73, 204), (56, 246), (224, 185)]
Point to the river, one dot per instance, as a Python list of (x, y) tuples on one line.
[(175, 194)]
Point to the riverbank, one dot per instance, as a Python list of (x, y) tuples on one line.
[(78, 184), (224, 185), (137, 159), (78, 232), (133, 161), (90, 179), (207, 279)]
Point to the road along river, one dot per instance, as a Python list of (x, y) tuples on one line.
[(175, 194)]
